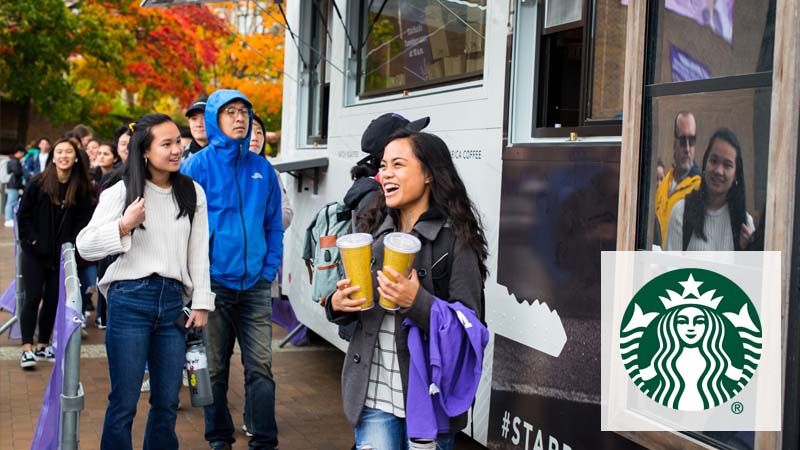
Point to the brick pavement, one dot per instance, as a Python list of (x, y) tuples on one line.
[(308, 404)]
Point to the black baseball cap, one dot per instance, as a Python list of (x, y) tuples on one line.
[(198, 105), (377, 133)]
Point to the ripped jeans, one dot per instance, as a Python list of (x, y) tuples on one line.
[(384, 431)]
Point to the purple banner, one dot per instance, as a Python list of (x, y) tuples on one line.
[(283, 315), (67, 321), (686, 68), (8, 302), (719, 18)]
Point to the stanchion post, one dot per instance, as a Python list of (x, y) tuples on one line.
[(71, 391), (19, 295)]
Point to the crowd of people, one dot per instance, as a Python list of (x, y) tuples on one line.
[(162, 225)]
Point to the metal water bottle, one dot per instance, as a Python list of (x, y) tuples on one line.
[(197, 368)]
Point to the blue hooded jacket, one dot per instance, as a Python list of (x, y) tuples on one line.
[(244, 202)]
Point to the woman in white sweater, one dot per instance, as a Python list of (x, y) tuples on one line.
[(156, 220), (714, 218)]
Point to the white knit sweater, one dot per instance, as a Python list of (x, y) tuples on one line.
[(168, 247)]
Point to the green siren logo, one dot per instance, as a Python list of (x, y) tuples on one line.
[(694, 350)]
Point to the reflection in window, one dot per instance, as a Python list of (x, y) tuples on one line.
[(722, 134), (562, 12), (709, 39), (412, 43), (609, 59)]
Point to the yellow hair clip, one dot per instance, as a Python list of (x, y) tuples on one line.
[(130, 126)]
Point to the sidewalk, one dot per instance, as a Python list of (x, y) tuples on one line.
[(308, 404)]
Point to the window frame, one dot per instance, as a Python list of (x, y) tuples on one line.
[(525, 108), (356, 80), (306, 110)]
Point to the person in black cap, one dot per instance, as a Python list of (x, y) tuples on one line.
[(365, 190), (197, 127)]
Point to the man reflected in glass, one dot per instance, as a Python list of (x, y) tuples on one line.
[(684, 176)]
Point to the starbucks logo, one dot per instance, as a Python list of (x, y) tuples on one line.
[(691, 339)]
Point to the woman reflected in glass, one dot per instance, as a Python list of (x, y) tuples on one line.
[(714, 218)]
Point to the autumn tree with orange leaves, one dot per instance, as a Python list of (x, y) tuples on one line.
[(112, 59)]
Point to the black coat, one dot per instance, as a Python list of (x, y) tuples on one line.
[(465, 286), (37, 223), (14, 167)]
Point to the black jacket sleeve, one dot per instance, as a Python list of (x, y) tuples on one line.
[(26, 215)]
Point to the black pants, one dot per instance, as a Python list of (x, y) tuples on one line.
[(41, 283)]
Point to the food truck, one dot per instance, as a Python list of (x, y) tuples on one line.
[(558, 114), (562, 118)]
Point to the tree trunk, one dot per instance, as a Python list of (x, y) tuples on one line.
[(23, 119)]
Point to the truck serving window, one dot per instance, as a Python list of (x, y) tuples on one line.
[(409, 44), (568, 68)]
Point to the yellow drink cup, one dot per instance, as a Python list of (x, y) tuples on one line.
[(399, 252), (356, 251)]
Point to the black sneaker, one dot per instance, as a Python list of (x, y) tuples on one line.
[(100, 323), (45, 354), (27, 360), (220, 445)]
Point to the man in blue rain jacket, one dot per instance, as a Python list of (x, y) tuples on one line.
[(246, 245)]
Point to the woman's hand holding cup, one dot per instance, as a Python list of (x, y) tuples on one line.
[(403, 292), (341, 301)]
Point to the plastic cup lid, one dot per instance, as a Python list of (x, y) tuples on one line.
[(354, 240), (402, 242)]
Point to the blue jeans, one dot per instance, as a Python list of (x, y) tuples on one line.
[(88, 278), (141, 329), (12, 195), (383, 431), (245, 316)]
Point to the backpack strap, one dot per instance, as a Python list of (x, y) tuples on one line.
[(443, 253)]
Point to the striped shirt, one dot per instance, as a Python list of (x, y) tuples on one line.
[(385, 389), (717, 228)]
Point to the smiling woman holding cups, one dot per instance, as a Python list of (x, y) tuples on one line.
[(425, 198)]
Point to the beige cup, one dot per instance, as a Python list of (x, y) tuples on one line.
[(398, 253), (356, 251)]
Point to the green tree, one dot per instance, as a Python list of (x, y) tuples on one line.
[(37, 43)]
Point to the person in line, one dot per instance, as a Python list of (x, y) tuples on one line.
[(14, 185), (258, 145), (91, 150), (36, 158), (714, 218), (423, 195), (55, 206), (84, 133), (197, 127), (145, 286), (244, 202), (107, 160), (122, 136), (684, 176)]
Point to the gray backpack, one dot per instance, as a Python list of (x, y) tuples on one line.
[(320, 252)]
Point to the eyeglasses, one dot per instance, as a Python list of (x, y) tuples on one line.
[(687, 140), (232, 112)]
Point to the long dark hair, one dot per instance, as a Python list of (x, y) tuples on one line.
[(447, 193), (78, 185), (694, 216), (135, 174)]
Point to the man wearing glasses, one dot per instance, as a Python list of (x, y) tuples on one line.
[(682, 178), (246, 245)]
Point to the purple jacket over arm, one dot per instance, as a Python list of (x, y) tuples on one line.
[(445, 368)]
